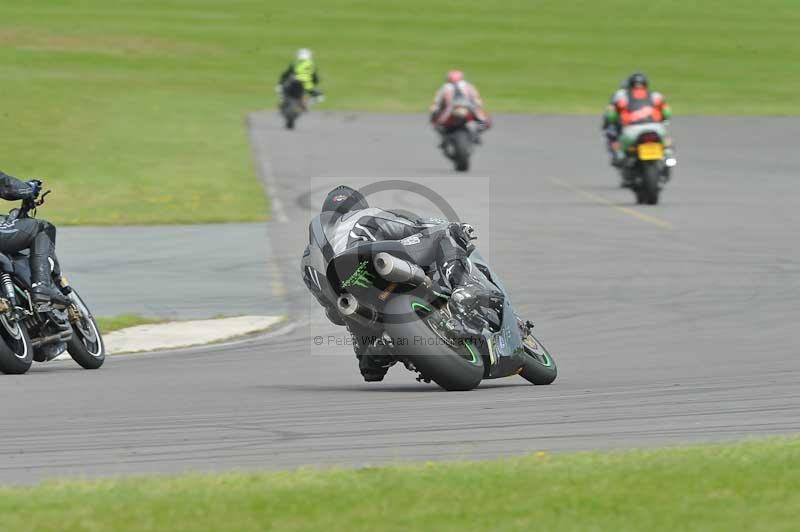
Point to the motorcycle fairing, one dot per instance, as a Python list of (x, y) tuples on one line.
[(504, 347)]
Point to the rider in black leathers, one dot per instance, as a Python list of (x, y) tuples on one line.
[(440, 242), (30, 233)]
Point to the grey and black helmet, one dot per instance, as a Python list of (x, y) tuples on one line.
[(637, 78), (343, 199)]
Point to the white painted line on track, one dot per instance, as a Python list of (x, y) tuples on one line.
[(647, 218)]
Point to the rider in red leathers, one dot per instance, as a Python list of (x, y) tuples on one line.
[(633, 104), (457, 91)]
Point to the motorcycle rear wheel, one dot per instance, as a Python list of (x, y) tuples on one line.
[(16, 351), (455, 366), (650, 187), (461, 150), (290, 113)]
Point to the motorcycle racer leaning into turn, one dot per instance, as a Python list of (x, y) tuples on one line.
[(634, 103), (17, 234), (349, 220), (458, 91)]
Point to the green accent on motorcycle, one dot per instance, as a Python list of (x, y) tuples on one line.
[(419, 306), (472, 352), (361, 277), (547, 360)]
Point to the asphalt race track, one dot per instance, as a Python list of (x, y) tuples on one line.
[(670, 324)]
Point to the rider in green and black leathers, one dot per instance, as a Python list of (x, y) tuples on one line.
[(30, 233), (303, 70)]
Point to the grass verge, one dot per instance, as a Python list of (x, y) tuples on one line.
[(744, 486), (123, 321), (133, 110)]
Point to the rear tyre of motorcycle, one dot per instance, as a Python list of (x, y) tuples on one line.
[(458, 369), (86, 347), (461, 150), (16, 351), (539, 367), (289, 113), (651, 175)]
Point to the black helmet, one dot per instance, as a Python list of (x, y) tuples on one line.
[(637, 78), (344, 199)]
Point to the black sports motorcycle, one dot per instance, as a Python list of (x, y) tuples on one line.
[(26, 334), (400, 311)]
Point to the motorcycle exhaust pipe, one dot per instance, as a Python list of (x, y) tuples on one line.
[(397, 270), (349, 308), (347, 305), (64, 336)]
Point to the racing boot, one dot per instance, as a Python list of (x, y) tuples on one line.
[(372, 368), (367, 348), (617, 157), (468, 294), (45, 296)]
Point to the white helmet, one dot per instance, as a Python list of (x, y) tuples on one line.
[(303, 54)]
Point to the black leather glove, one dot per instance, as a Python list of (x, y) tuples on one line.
[(463, 234)]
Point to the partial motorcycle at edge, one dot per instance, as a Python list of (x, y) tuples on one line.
[(27, 334)]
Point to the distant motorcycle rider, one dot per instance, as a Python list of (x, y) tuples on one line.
[(304, 70), (633, 104), (438, 243), (17, 234), (457, 91)]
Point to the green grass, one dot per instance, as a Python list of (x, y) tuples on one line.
[(133, 110), (123, 321), (746, 486)]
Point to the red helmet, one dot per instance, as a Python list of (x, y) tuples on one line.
[(454, 76)]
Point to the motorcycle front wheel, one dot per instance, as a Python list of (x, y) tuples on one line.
[(539, 366), (86, 346)]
